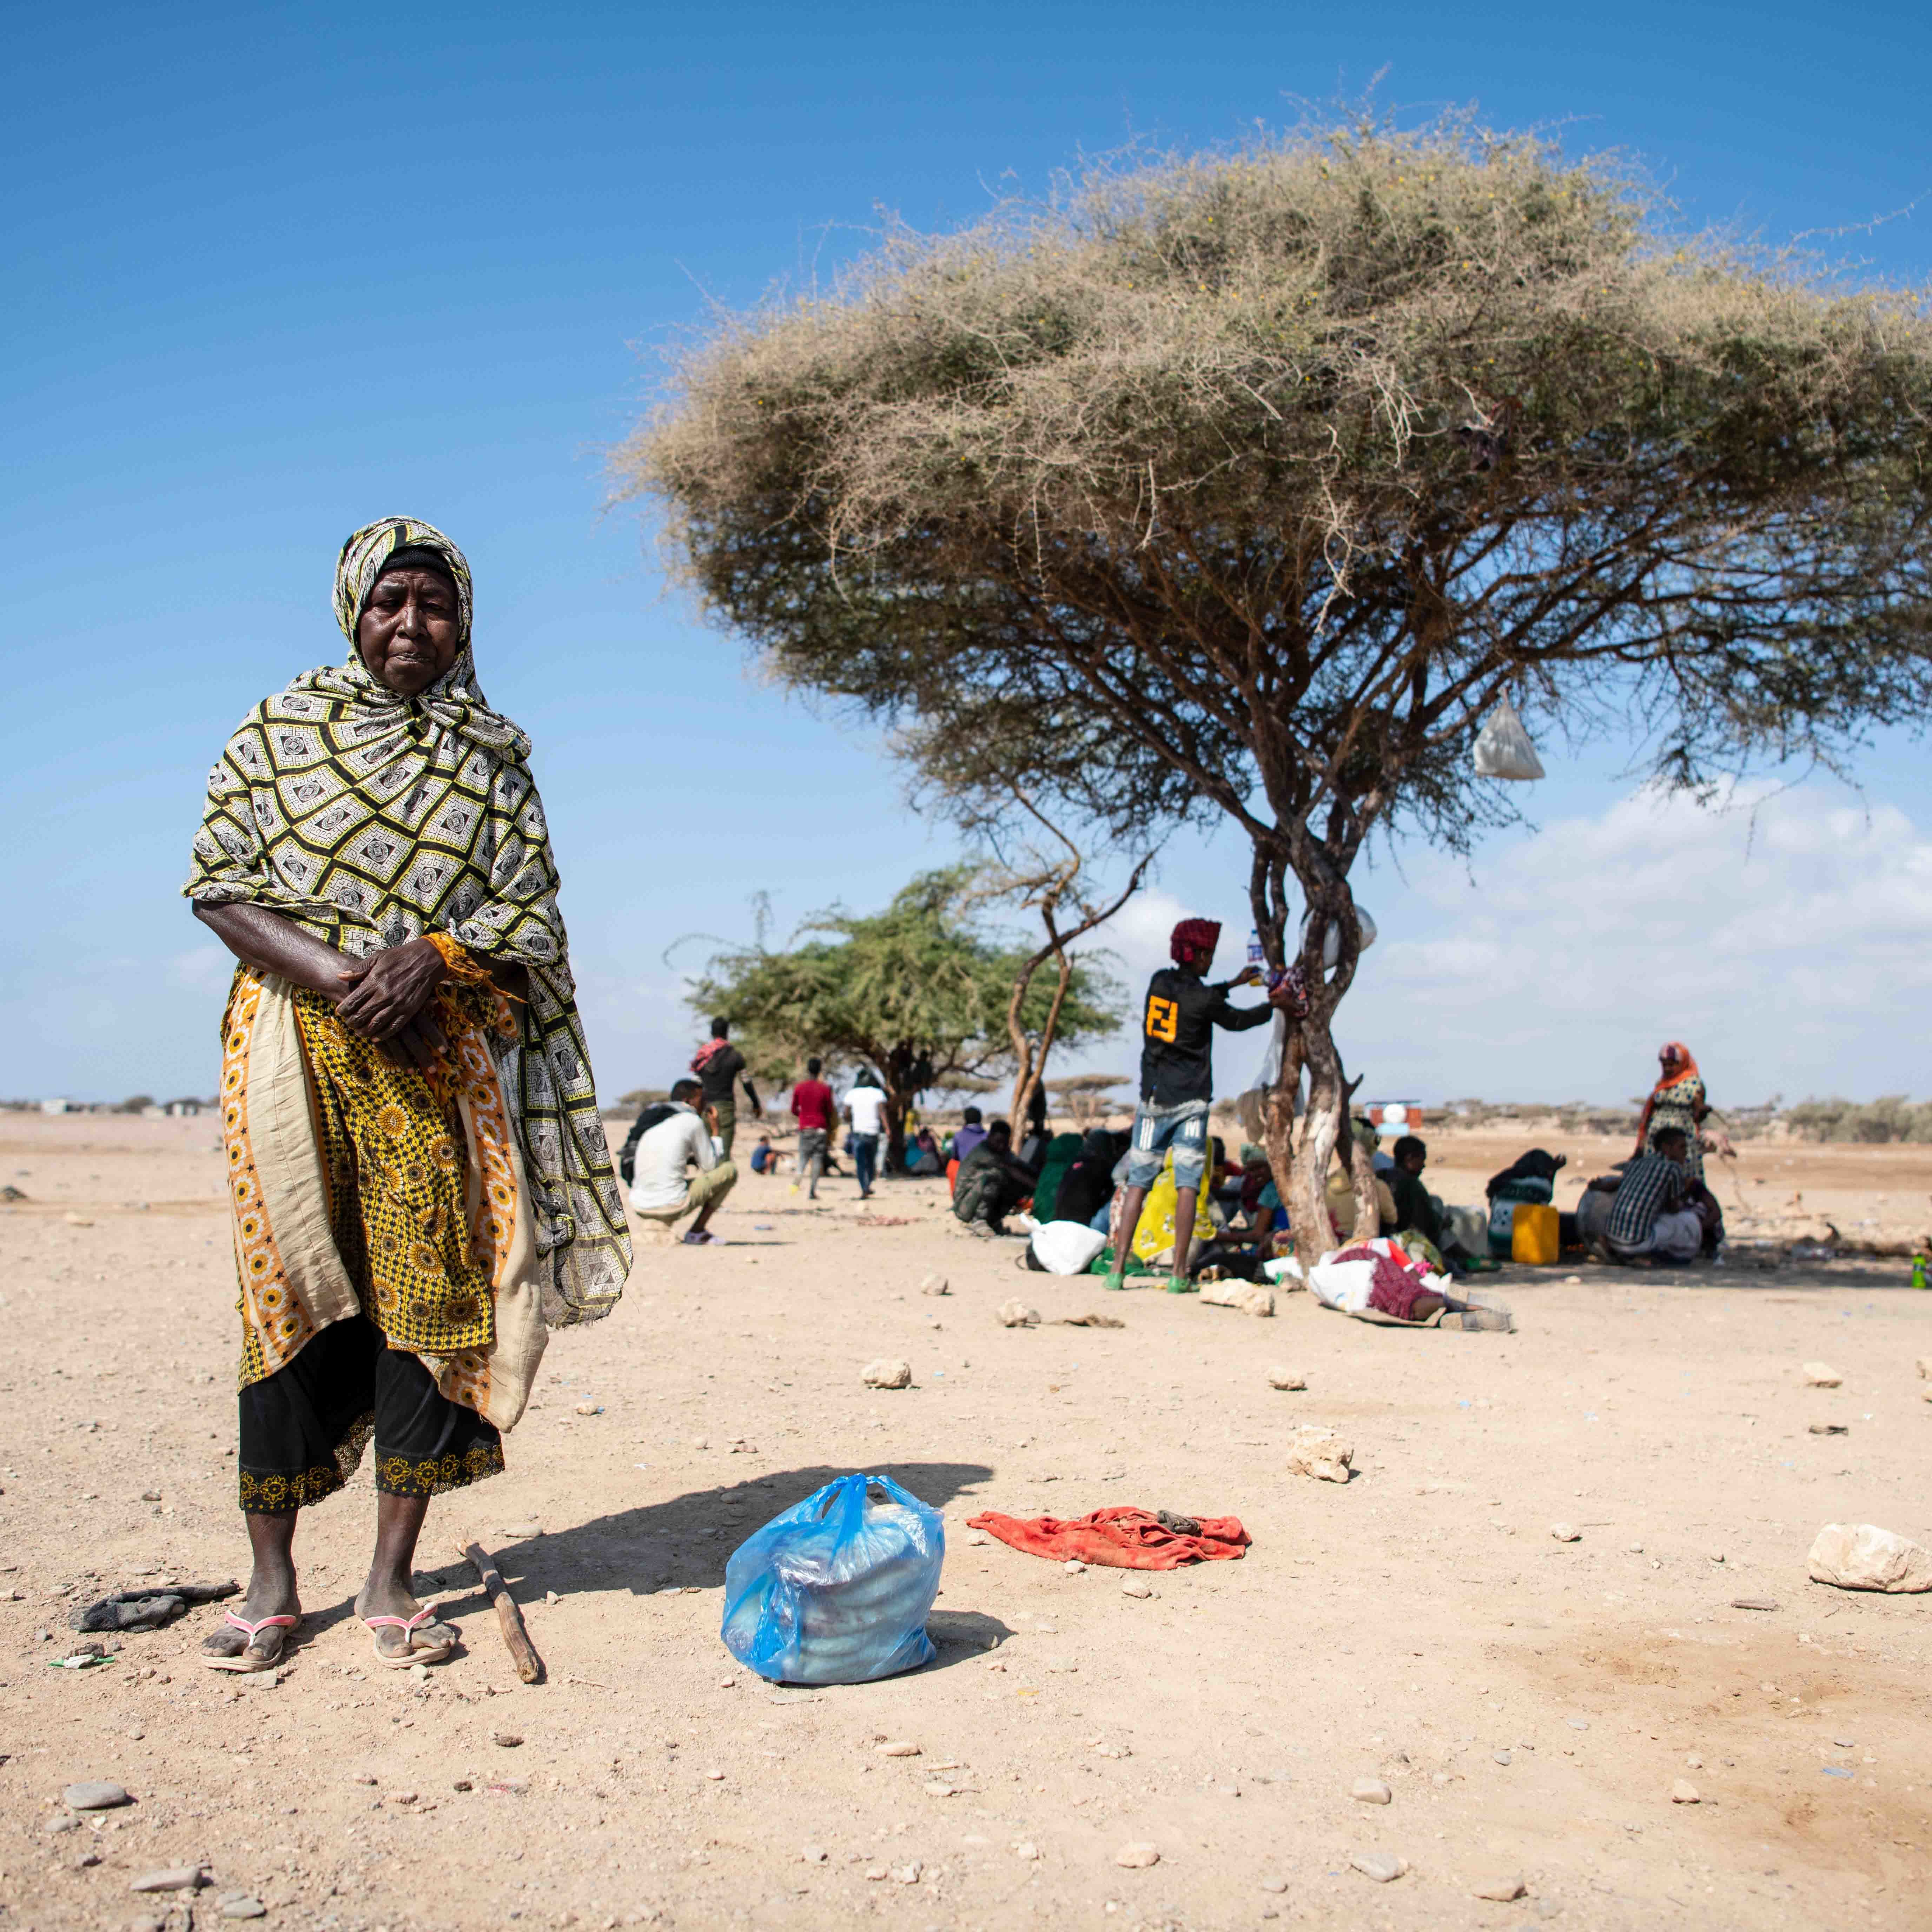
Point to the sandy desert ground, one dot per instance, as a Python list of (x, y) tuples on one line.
[(1530, 1703)]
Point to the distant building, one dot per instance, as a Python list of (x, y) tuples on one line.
[(56, 1106), (185, 1109)]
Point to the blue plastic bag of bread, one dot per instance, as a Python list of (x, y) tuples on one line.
[(838, 1589)]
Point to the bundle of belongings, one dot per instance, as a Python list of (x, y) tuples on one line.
[(1531, 1177), (1381, 1281)]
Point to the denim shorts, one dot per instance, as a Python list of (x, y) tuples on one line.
[(1183, 1129)]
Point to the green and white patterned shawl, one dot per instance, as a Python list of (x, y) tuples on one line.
[(370, 819)]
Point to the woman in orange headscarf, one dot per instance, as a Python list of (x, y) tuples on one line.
[(1678, 1101)]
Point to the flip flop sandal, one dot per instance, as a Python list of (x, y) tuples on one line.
[(1179, 1284), (241, 1660), (401, 1659)]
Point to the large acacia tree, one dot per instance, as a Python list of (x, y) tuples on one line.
[(1247, 484)]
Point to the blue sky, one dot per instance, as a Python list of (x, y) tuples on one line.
[(277, 270)]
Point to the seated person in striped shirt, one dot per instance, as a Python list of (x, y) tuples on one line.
[(1650, 1216)]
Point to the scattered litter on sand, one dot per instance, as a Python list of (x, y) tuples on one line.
[(1247, 1296)]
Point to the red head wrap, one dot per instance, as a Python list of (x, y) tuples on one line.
[(1193, 936)]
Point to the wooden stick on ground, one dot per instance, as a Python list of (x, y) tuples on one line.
[(529, 1666)]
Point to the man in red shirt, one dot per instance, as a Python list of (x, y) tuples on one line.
[(812, 1101)]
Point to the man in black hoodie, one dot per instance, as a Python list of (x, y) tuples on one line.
[(1177, 1023)]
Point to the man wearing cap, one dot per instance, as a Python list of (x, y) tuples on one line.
[(1177, 1023)]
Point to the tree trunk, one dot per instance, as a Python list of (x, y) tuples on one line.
[(1304, 1157), (1031, 1071), (895, 1068)]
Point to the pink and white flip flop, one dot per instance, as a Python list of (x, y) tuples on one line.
[(413, 1653), (241, 1660)]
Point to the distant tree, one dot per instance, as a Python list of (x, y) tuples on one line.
[(1085, 1096), (1246, 485), (1043, 873), (136, 1103), (919, 993)]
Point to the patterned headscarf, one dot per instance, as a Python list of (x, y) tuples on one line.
[(364, 553), (1191, 936), (455, 699)]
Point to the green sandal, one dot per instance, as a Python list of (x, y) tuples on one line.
[(1179, 1284)]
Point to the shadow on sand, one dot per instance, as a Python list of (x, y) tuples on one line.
[(671, 1545)]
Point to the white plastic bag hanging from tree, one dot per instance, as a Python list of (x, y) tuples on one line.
[(1331, 939), (1503, 749)]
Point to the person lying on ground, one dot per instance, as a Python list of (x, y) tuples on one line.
[(992, 1183), (1178, 1017), (1650, 1217), (660, 1192)]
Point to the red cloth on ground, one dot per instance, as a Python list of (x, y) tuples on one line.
[(1123, 1539), (1399, 1278)]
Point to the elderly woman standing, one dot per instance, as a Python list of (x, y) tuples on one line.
[(419, 1177)]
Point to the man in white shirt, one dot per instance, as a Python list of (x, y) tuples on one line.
[(865, 1109), (660, 1192)]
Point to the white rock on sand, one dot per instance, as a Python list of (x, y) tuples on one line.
[(1683, 1792), (1249, 1297), (1370, 1791), (1862, 1556), (1566, 1532), (1822, 1375), (935, 1284), (886, 1373), (1138, 1856), (1380, 1866), (1015, 1314), (1502, 1889), (1286, 1378), (1317, 1450)]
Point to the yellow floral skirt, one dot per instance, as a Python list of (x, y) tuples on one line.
[(388, 1277)]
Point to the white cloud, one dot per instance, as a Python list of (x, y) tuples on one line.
[(1787, 939)]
